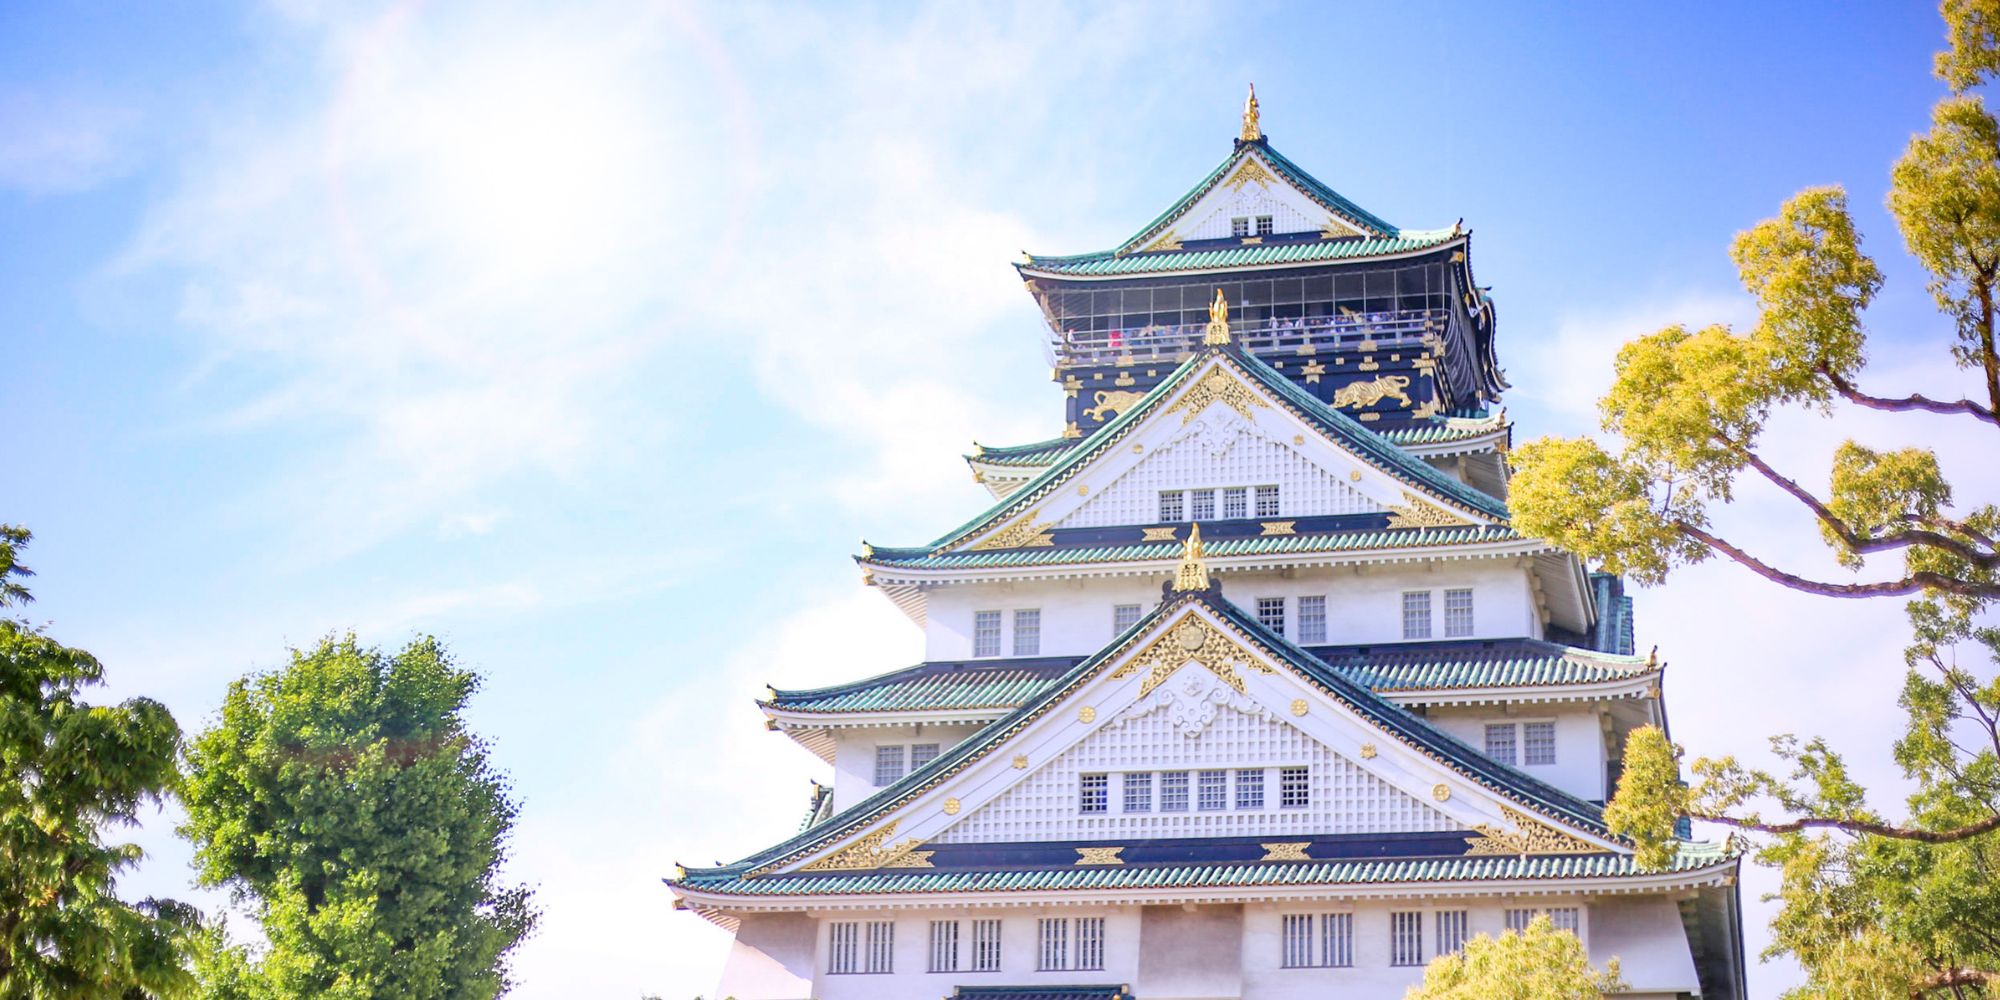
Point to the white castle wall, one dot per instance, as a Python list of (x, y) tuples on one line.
[(854, 755), (1218, 450), (1580, 749)]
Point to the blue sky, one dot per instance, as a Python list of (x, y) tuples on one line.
[(592, 337)]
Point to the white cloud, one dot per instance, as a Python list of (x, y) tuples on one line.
[(52, 144), (1565, 372)]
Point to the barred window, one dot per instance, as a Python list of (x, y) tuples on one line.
[(1564, 918), (1318, 941), (1236, 502), (1336, 934), (889, 767), (1213, 791), (986, 946), (1173, 791), (1096, 794), (1123, 616), (1267, 501), (1239, 226), (1457, 614), (1250, 789), (843, 948), (1538, 743), (1406, 938), (1138, 791), (1294, 788), (944, 946), (1500, 742), (1201, 505), (1417, 614), (881, 954), (1312, 619), (921, 754), (1053, 954), (1027, 632), (1298, 934), (1271, 613), (1172, 506), (1090, 943), (1450, 931), (1263, 225), (986, 633)]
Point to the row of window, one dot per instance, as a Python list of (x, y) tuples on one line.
[(1061, 945), (893, 760), (1522, 742), (1417, 614), (1208, 791), (1240, 226), (1236, 501), (1326, 940), (1027, 632)]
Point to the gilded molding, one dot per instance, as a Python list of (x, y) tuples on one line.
[(1086, 714), (1168, 240), (1285, 852), (1159, 535), (1020, 762), (874, 851), (1251, 172), (1360, 394), (1194, 639), (1025, 533), (1416, 512), (1279, 528), (1300, 707), (1099, 855), (1441, 792), (951, 807), (1113, 401), (1529, 836), (1218, 386), (1314, 371), (1367, 751)]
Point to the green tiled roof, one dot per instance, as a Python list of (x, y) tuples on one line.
[(942, 686), (1434, 433), (1312, 251), (1036, 454), (1388, 871), (1343, 541)]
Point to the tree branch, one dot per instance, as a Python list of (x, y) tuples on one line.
[(1856, 542), (1889, 588), (1912, 833), (1952, 979), (1914, 402)]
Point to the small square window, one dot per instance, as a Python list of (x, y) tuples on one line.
[(1124, 616), (1172, 505), (1271, 613), (921, 754), (1417, 614), (1267, 501), (1201, 505), (1095, 796), (1250, 788), (1457, 614), (1538, 743), (889, 765), (1028, 632), (1236, 502), (986, 633), (1500, 742), (1173, 791), (1312, 619), (1214, 791), (1263, 225), (1138, 791), (1294, 788), (1239, 226)]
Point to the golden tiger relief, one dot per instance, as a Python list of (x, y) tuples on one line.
[(1361, 395), (1116, 401)]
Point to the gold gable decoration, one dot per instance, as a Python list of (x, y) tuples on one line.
[(1217, 331), (1416, 512), (1218, 386), (1253, 129), (874, 851), (1529, 836), (1194, 639), (1168, 240), (1026, 533), (1192, 573)]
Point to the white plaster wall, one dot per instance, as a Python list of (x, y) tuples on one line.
[(1580, 749), (1632, 928), (1364, 604), (772, 958), (1018, 944), (854, 755)]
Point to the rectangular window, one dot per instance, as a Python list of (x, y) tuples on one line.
[(921, 754), (1538, 743), (1028, 632), (1457, 614), (1298, 930), (1171, 505), (986, 946), (843, 948), (944, 946), (1173, 791), (1053, 955), (1201, 505), (1236, 502), (1267, 501), (1239, 226), (1124, 616), (1500, 742), (1406, 938), (1213, 791), (1263, 225), (1250, 789), (1312, 619), (1336, 939), (888, 765), (881, 947), (1294, 788), (1138, 791), (1518, 920), (1450, 931), (986, 633), (1417, 614), (1090, 943), (1095, 796), (1271, 613), (1564, 918)]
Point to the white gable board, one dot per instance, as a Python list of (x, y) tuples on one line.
[(1250, 189)]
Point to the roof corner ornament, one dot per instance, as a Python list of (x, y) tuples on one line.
[(1193, 572), (1218, 321), (1252, 130)]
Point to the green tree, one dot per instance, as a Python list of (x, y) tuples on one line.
[(1871, 906), (1538, 963), (344, 799), (72, 770)]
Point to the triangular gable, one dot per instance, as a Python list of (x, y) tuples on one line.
[(1217, 398), (1513, 812)]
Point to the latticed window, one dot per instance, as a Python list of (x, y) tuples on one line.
[(1564, 918), (1318, 941), (1451, 926), (944, 946), (1250, 789), (1263, 225), (1457, 614), (1172, 505), (881, 954), (986, 633), (921, 754), (1027, 632), (1538, 742), (1267, 501), (1213, 791), (1090, 943), (843, 948), (1294, 788), (1417, 614), (1173, 791), (1124, 616), (1271, 613), (1236, 502), (889, 766), (1095, 796), (1138, 791), (986, 946), (1406, 938), (1201, 505), (1312, 619), (1239, 226), (1500, 742), (1053, 937)]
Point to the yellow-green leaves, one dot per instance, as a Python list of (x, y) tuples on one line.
[(1651, 797), (1598, 505), (1882, 493), (1811, 281), (1688, 401), (1945, 194), (1536, 963), (1973, 29)]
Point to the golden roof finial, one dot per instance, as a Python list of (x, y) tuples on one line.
[(1193, 573), (1218, 321), (1252, 131)]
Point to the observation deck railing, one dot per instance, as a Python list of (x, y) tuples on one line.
[(1357, 331)]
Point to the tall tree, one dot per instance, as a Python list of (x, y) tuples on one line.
[(71, 771), (344, 798), (1872, 906), (1536, 963)]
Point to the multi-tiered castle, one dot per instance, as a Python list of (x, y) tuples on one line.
[(1244, 686)]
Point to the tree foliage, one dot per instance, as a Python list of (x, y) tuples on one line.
[(1536, 963), (1871, 906), (345, 799), (72, 770)]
